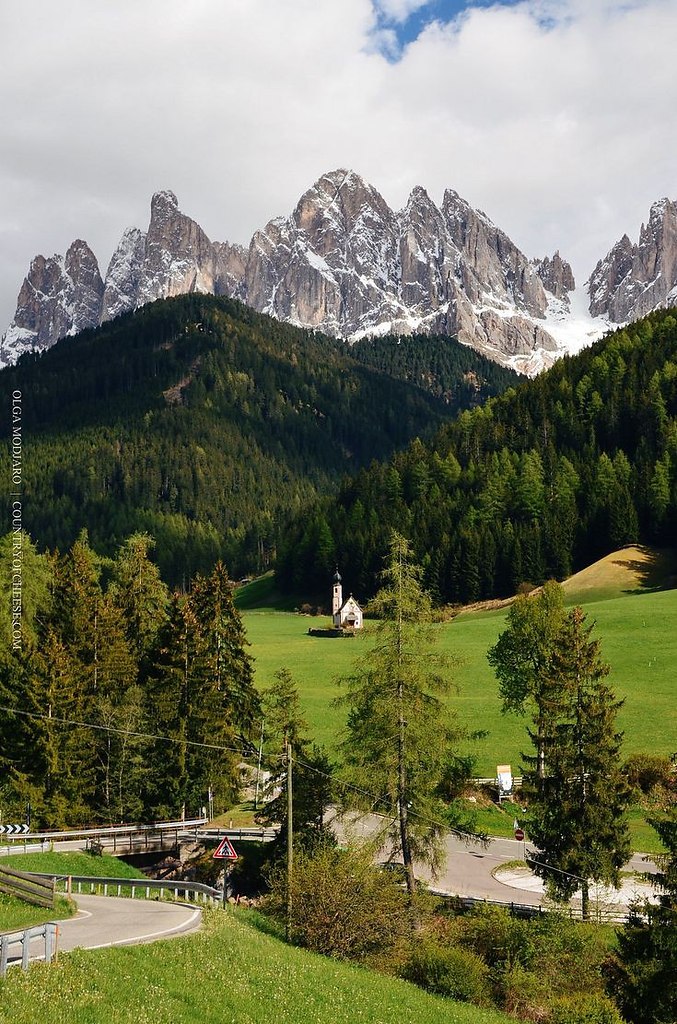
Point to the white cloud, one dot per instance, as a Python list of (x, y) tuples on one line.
[(399, 10), (554, 116)]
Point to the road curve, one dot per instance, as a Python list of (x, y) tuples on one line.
[(115, 921)]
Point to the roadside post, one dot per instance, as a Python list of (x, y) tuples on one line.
[(521, 838)]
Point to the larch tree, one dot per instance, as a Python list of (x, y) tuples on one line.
[(399, 729)]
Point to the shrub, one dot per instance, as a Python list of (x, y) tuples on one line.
[(449, 971), (342, 905), (647, 771), (584, 1009)]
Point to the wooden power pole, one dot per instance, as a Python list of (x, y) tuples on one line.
[(290, 843)]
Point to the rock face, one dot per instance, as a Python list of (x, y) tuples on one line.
[(345, 263), (634, 279), (342, 262), (556, 275), (59, 296)]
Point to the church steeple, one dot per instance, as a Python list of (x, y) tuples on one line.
[(337, 594)]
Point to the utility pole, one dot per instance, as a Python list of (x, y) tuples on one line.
[(258, 768), (290, 843)]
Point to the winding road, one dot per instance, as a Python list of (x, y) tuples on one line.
[(112, 921)]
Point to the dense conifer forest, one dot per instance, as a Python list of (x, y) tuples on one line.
[(207, 425), (123, 701), (536, 483)]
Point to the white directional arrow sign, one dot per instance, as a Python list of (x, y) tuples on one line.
[(13, 830)]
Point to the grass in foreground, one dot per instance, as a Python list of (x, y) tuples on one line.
[(230, 973)]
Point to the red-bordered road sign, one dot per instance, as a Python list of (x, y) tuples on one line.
[(225, 850)]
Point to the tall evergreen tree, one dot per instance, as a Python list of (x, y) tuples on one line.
[(523, 660), (399, 728), (312, 782), (577, 815)]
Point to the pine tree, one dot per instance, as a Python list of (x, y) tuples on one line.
[(312, 770), (523, 658), (139, 593)]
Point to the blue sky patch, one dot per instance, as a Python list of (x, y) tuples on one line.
[(405, 30)]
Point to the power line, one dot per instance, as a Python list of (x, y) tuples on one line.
[(125, 732), (381, 799)]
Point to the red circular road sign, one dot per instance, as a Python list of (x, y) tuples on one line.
[(519, 834)]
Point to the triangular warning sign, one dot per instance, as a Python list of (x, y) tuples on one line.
[(225, 851)]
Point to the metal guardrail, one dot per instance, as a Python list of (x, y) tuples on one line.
[(242, 835), (600, 914), (194, 892), (49, 932), (133, 835), (138, 838)]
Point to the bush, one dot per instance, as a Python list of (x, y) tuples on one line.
[(647, 771), (450, 971), (342, 905), (584, 1009)]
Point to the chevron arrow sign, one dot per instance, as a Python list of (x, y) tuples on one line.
[(13, 830)]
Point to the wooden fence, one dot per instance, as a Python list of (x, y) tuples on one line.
[(30, 888)]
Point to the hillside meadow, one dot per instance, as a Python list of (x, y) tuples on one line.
[(229, 972), (635, 625)]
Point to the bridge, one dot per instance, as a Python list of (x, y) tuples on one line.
[(125, 840)]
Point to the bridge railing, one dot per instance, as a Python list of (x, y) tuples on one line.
[(9, 940), (137, 838)]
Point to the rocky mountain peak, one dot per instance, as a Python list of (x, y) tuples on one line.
[(632, 280), (59, 296), (556, 275), (163, 205), (342, 262)]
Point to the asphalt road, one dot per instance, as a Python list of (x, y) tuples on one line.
[(112, 921), (469, 866)]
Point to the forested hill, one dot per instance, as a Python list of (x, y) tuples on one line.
[(207, 424), (538, 482)]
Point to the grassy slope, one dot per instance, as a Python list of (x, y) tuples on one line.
[(50, 863), (638, 640), (230, 972), (15, 914)]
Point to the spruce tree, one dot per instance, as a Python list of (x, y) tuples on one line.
[(577, 813)]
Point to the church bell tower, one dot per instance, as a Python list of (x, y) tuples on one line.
[(337, 594)]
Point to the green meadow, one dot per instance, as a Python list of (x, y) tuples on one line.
[(229, 973), (638, 637)]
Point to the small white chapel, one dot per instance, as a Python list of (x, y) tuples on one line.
[(345, 614)]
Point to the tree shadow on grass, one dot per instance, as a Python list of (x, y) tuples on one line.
[(656, 572)]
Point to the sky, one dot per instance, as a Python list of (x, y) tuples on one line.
[(555, 117)]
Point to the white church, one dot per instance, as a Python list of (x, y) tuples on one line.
[(345, 614)]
